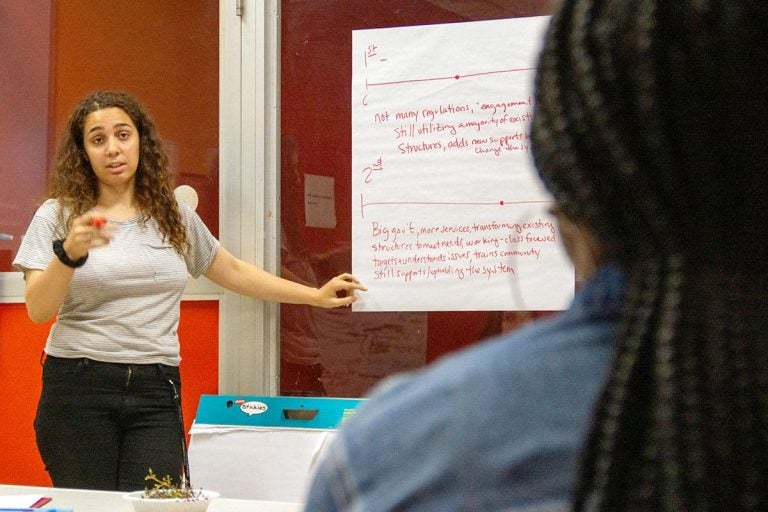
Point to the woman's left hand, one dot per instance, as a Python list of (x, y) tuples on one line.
[(328, 294)]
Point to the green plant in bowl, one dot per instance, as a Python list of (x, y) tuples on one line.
[(166, 496)]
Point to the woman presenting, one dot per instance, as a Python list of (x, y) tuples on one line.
[(109, 252)]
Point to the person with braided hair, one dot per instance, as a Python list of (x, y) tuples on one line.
[(650, 130), (650, 393)]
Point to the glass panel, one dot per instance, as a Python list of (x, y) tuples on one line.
[(337, 352), (25, 41), (52, 53)]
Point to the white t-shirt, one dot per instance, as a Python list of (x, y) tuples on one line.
[(123, 304)]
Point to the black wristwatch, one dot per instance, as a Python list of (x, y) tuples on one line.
[(58, 249)]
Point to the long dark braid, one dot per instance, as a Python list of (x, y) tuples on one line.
[(651, 129)]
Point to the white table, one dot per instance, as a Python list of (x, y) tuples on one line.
[(101, 501)]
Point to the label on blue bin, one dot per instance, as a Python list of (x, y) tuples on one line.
[(253, 407)]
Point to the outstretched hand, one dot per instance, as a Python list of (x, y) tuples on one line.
[(329, 296)]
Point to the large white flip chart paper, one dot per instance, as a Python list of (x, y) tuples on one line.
[(447, 211)]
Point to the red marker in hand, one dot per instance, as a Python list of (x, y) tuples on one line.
[(99, 222), (100, 236)]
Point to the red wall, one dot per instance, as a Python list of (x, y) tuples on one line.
[(21, 344), (168, 59)]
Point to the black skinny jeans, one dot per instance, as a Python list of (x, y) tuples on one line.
[(103, 425)]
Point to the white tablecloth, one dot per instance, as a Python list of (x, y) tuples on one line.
[(273, 464)]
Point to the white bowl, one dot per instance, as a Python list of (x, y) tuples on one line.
[(197, 504)]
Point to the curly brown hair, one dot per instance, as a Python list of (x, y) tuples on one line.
[(74, 184), (650, 128)]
